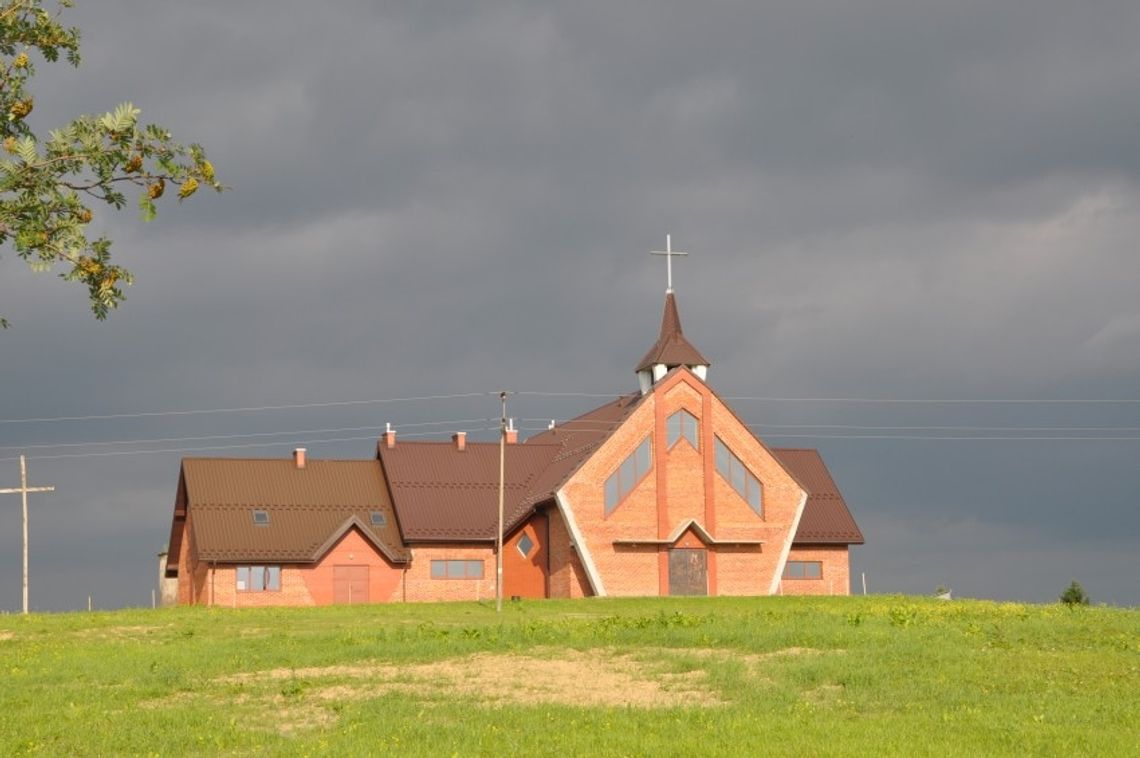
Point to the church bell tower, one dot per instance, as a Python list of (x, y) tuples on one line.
[(671, 348)]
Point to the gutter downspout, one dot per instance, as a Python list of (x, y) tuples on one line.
[(579, 544), (778, 576)]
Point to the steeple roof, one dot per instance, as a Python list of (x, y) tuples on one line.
[(671, 347)]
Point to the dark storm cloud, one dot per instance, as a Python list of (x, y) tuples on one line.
[(897, 200)]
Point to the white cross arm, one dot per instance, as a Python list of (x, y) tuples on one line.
[(14, 490)]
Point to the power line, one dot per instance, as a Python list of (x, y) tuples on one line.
[(941, 401), (613, 395), (238, 436), (952, 428), (964, 438), (535, 393), (109, 453), (252, 409)]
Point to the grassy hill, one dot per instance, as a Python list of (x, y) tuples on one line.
[(791, 676)]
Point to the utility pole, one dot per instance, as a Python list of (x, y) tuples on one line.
[(499, 531), (24, 489)]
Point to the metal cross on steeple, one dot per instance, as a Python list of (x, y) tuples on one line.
[(24, 489), (668, 252)]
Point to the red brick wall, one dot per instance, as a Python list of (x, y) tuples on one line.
[(782, 503), (567, 576), (351, 550), (627, 572), (682, 485), (419, 586), (301, 584), (737, 572), (185, 566), (836, 579)]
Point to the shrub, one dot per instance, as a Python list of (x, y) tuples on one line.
[(1074, 595)]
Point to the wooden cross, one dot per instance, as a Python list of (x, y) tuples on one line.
[(668, 252), (24, 489)]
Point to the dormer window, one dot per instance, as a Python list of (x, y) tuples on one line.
[(682, 424), (629, 474), (377, 518), (733, 471), (260, 517)]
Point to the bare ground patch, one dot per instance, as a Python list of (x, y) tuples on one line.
[(307, 698), (7, 636), (598, 677)]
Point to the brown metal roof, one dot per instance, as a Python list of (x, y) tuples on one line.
[(576, 440), (826, 519), (308, 508), (671, 347), (443, 494)]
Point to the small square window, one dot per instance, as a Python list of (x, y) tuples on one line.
[(525, 545), (261, 518), (378, 518)]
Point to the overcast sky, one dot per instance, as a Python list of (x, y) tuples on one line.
[(898, 201)]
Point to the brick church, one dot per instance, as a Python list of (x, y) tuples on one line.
[(663, 491)]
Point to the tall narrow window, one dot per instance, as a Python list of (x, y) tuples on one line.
[(682, 424), (629, 473), (733, 471)]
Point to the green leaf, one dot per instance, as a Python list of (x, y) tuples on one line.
[(146, 208), (125, 116), (26, 149)]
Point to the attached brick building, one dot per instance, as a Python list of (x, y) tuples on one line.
[(661, 492)]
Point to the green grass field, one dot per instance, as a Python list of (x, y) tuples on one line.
[(829, 676)]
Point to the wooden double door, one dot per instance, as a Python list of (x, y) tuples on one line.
[(688, 571)]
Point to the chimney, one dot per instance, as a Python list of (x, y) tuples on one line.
[(389, 436), (512, 433), (299, 457), (460, 439)]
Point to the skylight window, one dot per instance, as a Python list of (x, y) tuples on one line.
[(261, 518), (378, 518)]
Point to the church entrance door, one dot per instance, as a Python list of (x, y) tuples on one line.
[(688, 572)]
